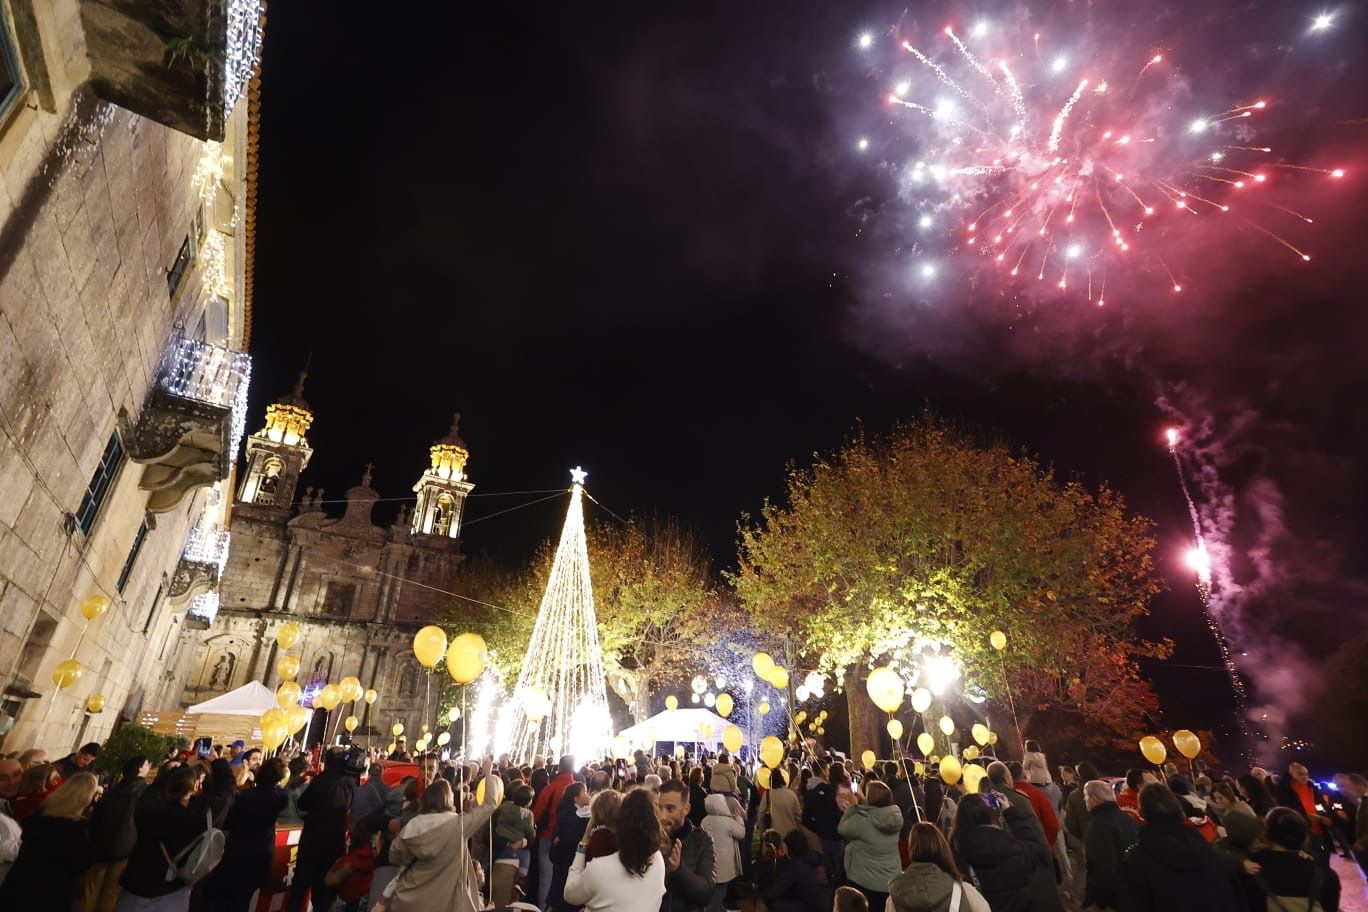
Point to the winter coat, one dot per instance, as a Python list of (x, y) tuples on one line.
[(1020, 819), (727, 833), (434, 861), (53, 856), (723, 779), (513, 823), (606, 886), (112, 833), (166, 828), (1111, 833), (785, 812), (689, 887), (871, 852), (324, 807), (1076, 815), (1171, 868), (1044, 810), (997, 864), (799, 885), (1289, 874), (924, 887), (1036, 768), (908, 796), (546, 802), (247, 854), (820, 813)]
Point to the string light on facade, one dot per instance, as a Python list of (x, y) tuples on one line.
[(242, 48), (212, 374), (563, 659)]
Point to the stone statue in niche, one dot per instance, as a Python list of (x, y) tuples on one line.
[(407, 685), (222, 672), (322, 667)]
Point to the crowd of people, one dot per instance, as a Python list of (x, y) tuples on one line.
[(701, 834)]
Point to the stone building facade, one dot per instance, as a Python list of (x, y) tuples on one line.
[(126, 187), (357, 589)]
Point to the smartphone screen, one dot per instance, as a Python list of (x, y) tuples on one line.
[(204, 746)]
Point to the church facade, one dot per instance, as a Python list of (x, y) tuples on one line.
[(357, 589)]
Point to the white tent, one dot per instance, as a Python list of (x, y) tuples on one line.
[(251, 699), (678, 725)]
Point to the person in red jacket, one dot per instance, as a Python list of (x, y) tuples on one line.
[(544, 814), (1040, 803)]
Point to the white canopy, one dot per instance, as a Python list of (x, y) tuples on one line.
[(251, 699), (677, 725)]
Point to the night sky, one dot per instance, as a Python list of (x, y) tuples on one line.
[(638, 237)]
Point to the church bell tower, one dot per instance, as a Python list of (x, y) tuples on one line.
[(277, 454), (443, 488)]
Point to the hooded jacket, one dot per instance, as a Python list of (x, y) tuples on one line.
[(997, 864), (1173, 869), (924, 887), (871, 852), (726, 832), (1111, 833), (723, 779), (437, 875)]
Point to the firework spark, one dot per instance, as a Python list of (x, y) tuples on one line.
[(1077, 181)]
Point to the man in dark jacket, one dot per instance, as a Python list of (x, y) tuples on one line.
[(1021, 821), (799, 883), (72, 764), (689, 860), (323, 840), (168, 817), (1171, 867), (823, 817), (1111, 833), (112, 833)]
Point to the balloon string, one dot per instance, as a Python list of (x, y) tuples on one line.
[(1011, 704)]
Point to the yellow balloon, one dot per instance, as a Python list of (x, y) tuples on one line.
[(761, 663), (771, 751), (371, 696), (779, 677), (763, 708), (296, 717), (622, 748), (679, 751), (950, 770), (287, 635), (466, 658), (1188, 744), (732, 738), (921, 699), (429, 644), (998, 639), (724, 705), (926, 743), (1153, 749), (329, 697), (973, 775), (971, 752), (802, 714), (444, 739), (423, 728), (350, 723), (885, 688), (704, 731), (287, 667), (272, 736), (92, 606), (762, 777), (672, 702), (453, 714), (95, 703), (868, 759), (397, 729), (288, 694), (947, 725), (498, 787), (351, 689), (66, 673), (992, 737), (391, 748), (895, 729), (272, 716), (536, 704), (980, 733)]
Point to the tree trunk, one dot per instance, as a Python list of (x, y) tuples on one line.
[(865, 720)]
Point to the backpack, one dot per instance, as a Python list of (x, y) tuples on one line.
[(199, 858)]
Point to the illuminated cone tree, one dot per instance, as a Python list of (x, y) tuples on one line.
[(560, 704)]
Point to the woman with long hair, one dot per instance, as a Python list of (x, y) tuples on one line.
[(432, 852), (991, 858), (55, 851), (600, 836), (932, 880), (631, 879), (1256, 793)]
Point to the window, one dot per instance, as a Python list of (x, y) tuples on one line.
[(132, 558), (100, 484), (152, 610), (338, 600), (176, 273), (11, 79)]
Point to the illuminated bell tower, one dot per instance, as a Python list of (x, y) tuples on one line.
[(278, 453), (443, 488)]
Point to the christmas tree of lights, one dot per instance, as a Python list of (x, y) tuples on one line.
[(560, 704)]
